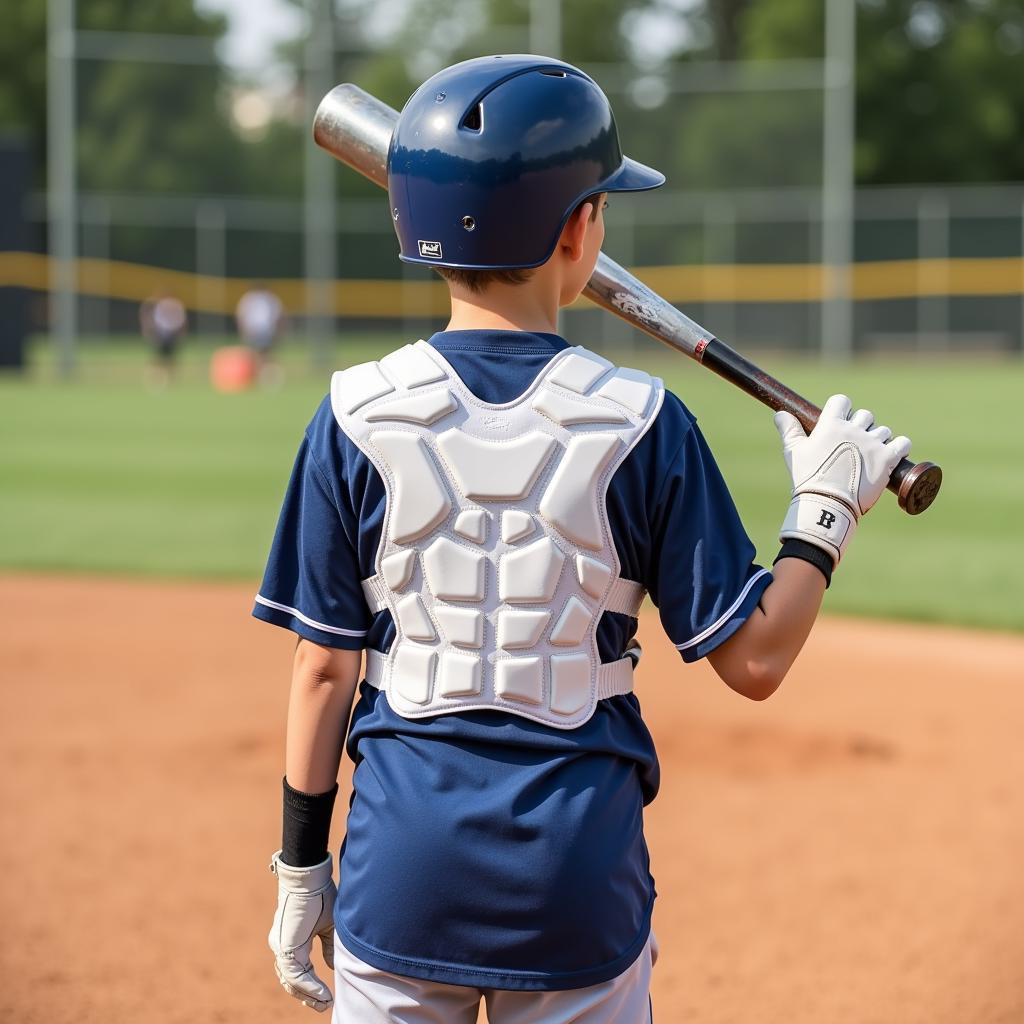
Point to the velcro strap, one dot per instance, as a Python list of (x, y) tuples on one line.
[(375, 662), (821, 520), (625, 597), (613, 678), (375, 591)]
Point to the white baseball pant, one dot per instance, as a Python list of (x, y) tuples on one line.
[(364, 995)]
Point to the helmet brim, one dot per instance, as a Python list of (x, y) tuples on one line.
[(632, 176)]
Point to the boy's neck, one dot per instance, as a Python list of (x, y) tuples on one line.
[(504, 308)]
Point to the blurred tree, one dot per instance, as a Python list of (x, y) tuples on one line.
[(715, 26), (940, 91), (274, 164), (940, 83), (141, 125), (726, 15), (23, 82), (722, 140), (148, 126), (591, 29), (952, 63)]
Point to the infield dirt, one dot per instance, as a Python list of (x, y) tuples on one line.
[(849, 851)]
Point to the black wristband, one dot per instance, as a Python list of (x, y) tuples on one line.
[(819, 558), (306, 826)]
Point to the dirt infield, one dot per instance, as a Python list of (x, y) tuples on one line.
[(849, 851)]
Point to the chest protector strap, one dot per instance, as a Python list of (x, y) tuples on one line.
[(496, 559)]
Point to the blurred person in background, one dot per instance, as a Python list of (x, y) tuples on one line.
[(163, 320), (260, 319)]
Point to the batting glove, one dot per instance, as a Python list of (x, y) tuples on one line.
[(839, 471), (305, 910)]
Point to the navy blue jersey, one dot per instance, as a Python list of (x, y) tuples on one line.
[(484, 849)]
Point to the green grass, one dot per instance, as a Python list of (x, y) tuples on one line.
[(101, 475)]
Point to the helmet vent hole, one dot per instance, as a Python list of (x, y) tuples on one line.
[(468, 223), (552, 73), (474, 120)]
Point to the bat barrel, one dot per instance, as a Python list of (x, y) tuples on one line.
[(356, 128)]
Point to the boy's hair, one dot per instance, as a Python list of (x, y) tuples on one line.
[(479, 280)]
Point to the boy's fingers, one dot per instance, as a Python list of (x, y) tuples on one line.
[(789, 429), (863, 419), (327, 945), (899, 448), (303, 984), (837, 408)]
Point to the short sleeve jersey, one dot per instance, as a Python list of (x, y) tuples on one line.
[(482, 848)]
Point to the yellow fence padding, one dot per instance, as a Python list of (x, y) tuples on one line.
[(377, 298)]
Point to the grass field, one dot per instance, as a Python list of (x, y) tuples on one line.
[(102, 475)]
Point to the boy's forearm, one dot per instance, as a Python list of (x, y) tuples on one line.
[(839, 471), (323, 685), (755, 660)]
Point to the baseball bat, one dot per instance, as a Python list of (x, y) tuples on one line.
[(355, 128)]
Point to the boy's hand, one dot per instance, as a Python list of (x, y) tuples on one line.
[(305, 909), (839, 471)]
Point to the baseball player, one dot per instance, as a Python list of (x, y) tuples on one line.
[(259, 316), (163, 320), (482, 514)]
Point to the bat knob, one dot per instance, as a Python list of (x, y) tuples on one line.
[(916, 485)]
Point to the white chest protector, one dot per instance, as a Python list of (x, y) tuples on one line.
[(496, 559)]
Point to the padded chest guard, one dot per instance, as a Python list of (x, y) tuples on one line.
[(496, 559)]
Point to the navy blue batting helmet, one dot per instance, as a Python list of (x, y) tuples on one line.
[(491, 156)]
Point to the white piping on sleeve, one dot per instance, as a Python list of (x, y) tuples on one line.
[(725, 616), (260, 599)]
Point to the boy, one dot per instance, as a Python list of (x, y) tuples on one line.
[(506, 501)]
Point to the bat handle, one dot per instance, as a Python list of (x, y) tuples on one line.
[(914, 484)]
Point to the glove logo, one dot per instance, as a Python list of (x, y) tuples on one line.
[(430, 250), (827, 519)]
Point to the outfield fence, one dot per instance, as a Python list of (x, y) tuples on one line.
[(936, 267)]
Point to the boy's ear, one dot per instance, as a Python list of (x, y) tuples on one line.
[(575, 231)]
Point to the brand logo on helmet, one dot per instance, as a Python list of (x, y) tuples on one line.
[(430, 250)]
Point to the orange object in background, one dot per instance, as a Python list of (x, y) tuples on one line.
[(232, 368)]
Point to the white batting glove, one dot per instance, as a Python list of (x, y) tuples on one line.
[(839, 471), (305, 910)]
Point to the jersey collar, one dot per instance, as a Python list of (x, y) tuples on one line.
[(496, 341)]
